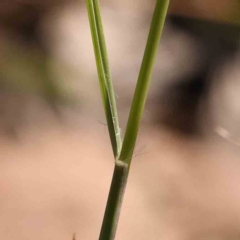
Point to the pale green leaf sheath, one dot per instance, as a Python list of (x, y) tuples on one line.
[(104, 75)]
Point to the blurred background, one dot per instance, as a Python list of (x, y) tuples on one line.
[(56, 162)]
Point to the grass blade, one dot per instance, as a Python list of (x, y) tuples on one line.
[(145, 74), (106, 86)]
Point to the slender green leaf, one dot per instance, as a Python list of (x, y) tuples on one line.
[(145, 74), (106, 86)]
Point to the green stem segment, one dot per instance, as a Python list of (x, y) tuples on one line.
[(114, 203), (145, 74), (123, 158), (104, 75)]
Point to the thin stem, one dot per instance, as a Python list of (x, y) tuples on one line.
[(122, 166), (104, 75), (145, 74), (114, 203)]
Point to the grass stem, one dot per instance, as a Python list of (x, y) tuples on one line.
[(144, 77), (114, 203), (123, 153)]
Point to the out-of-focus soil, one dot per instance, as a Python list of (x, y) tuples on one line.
[(54, 183)]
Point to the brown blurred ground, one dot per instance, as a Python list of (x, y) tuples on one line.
[(54, 183)]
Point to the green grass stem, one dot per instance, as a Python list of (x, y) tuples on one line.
[(114, 203), (123, 154), (145, 74)]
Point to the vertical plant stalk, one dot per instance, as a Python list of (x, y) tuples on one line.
[(144, 77), (114, 203), (123, 154), (108, 95)]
